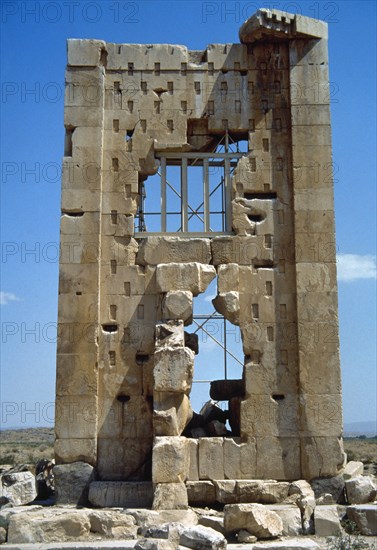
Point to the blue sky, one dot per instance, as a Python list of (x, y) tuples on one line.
[(33, 58)]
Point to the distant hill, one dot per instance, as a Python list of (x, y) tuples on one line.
[(360, 428)]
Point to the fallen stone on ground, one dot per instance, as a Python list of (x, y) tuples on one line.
[(255, 518)]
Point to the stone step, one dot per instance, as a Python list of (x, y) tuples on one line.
[(121, 494)]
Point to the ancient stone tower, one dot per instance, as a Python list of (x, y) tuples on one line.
[(255, 114)]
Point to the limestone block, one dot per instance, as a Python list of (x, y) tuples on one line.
[(326, 521), (76, 249), (118, 203), (173, 370), (76, 227), (353, 469), (316, 277), (180, 402), (78, 200), (124, 458), (75, 450), (193, 451), (75, 416), (76, 374), (192, 277), (310, 115), (126, 416), (201, 493), (170, 496), (242, 250), (333, 486), (113, 524), (83, 53), (79, 309), (165, 422), (320, 374), (239, 459), (72, 482), (75, 278), (170, 460), (365, 517), (327, 306), (265, 416), (178, 305), (169, 334), (123, 227), (211, 458), (314, 199), (203, 538), (17, 488), (152, 519), (263, 378), (322, 414), (302, 77), (48, 526), (360, 490), (262, 492), (227, 278), (318, 221), (157, 250), (214, 521), (290, 516), (77, 339), (255, 518), (121, 250), (226, 491), (85, 88), (228, 304), (278, 458), (322, 457), (121, 494)]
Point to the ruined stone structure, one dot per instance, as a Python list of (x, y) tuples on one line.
[(128, 281)]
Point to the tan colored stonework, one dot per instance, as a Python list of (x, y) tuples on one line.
[(124, 372)]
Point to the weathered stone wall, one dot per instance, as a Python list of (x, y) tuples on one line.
[(121, 382)]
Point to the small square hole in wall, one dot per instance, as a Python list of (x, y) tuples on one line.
[(130, 69), (113, 311), (115, 164), (113, 266), (268, 241), (116, 125), (255, 311), (130, 106), (112, 358), (114, 216), (184, 106), (270, 334), (255, 356), (140, 311), (269, 288), (197, 88), (183, 68), (157, 69), (170, 88), (210, 68), (127, 288), (266, 145)]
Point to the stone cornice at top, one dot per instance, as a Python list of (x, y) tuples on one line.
[(266, 23)]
